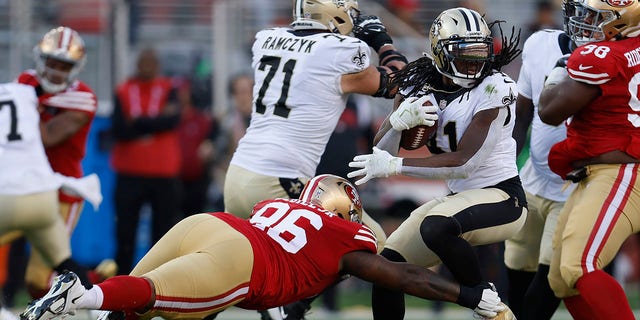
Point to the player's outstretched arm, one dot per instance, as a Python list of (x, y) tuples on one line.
[(420, 282), (409, 278)]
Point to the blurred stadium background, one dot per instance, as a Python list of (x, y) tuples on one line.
[(208, 41)]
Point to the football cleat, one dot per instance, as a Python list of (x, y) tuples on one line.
[(59, 301)]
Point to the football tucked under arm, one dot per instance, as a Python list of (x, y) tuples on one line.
[(417, 119), (416, 137)]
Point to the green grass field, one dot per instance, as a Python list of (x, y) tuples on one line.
[(354, 304)]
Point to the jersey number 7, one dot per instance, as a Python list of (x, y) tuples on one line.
[(13, 134)]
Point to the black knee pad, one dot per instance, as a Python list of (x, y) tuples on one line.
[(437, 230)]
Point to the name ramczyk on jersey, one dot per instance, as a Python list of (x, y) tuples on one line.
[(288, 44)]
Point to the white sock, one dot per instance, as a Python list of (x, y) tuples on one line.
[(91, 299)]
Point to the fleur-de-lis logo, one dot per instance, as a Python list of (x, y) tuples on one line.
[(359, 59), (295, 187), (435, 28), (508, 100)]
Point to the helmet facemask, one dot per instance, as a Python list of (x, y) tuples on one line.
[(462, 46), (599, 20), (59, 58), (585, 25), (466, 60), (334, 194)]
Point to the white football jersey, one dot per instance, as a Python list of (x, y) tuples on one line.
[(536, 176), (24, 167), (298, 99), (455, 113)]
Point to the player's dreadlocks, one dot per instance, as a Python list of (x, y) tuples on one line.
[(422, 72), (509, 49)]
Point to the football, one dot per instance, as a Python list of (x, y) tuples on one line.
[(507, 314), (416, 137)]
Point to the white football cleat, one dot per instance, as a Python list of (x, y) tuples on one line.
[(59, 301)]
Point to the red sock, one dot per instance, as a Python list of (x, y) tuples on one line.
[(605, 296), (125, 293), (579, 308)]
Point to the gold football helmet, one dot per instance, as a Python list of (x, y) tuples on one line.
[(336, 16), (334, 194), (65, 47), (461, 46), (598, 20)]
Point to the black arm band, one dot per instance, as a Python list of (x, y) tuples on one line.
[(383, 89), (391, 55)]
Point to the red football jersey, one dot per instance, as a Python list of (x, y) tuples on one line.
[(297, 249), (611, 121), (66, 157)]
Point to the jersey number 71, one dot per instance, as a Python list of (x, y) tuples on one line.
[(273, 62)]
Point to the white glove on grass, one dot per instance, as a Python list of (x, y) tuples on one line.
[(490, 303)]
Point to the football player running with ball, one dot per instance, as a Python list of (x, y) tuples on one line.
[(598, 91), (472, 150), (290, 249)]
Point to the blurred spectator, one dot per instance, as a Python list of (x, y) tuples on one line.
[(196, 132), (146, 155), (406, 11), (241, 91), (241, 95), (545, 18)]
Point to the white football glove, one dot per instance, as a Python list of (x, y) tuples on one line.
[(556, 76), (559, 72), (377, 164), (412, 113), (490, 304)]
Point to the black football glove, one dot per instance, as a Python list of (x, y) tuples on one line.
[(372, 31)]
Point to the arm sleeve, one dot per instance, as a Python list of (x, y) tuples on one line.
[(121, 129), (390, 142), (463, 171), (147, 125)]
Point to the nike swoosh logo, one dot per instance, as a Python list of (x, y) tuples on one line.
[(582, 68), (73, 301)]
